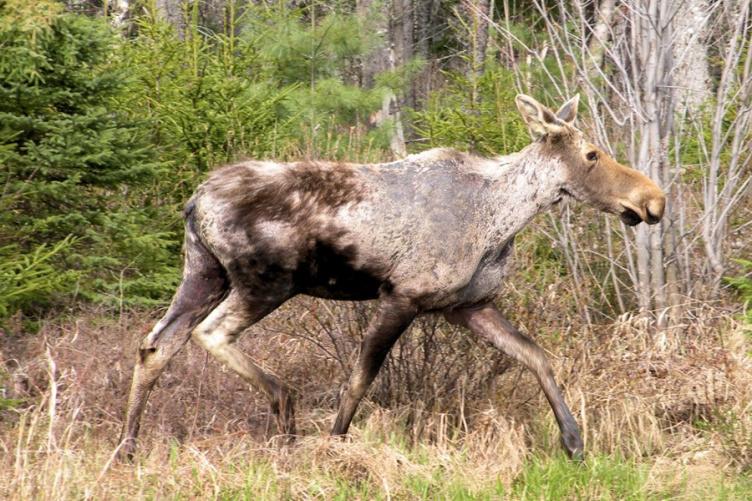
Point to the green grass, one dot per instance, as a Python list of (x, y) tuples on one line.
[(547, 478), (366, 468), (599, 477)]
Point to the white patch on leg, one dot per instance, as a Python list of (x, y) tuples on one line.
[(154, 333), (220, 327)]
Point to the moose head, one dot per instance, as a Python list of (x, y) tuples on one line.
[(588, 173)]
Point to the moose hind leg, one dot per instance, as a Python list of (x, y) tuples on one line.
[(217, 334), (196, 296), (203, 286), (488, 323)]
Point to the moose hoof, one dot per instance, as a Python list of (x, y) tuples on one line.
[(572, 443), (340, 437), (126, 451), (282, 441)]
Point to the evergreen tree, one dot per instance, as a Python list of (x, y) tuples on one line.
[(67, 159), (67, 149)]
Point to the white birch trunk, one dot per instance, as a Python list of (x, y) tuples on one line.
[(601, 32), (691, 74)]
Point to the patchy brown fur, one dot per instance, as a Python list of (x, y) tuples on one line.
[(302, 189)]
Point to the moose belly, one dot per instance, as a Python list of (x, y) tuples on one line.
[(328, 273), (484, 284)]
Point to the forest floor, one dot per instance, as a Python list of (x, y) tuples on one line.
[(663, 417)]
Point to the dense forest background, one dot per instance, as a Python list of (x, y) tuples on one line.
[(112, 112)]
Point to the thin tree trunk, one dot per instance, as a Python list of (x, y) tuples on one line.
[(172, 12), (382, 58), (378, 60), (481, 13), (601, 33), (401, 34), (426, 11), (118, 10), (630, 74), (475, 17), (691, 73), (725, 182)]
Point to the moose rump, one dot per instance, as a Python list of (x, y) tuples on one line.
[(277, 230)]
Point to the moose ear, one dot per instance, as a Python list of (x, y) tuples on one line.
[(568, 112), (539, 119)]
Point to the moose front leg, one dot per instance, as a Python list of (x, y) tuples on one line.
[(392, 317), (487, 322)]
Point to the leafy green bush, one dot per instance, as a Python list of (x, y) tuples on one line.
[(64, 148), (202, 96), (272, 85), (71, 161), (317, 62), (141, 264), (488, 124), (28, 279)]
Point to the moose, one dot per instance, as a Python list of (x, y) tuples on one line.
[(431, 233)]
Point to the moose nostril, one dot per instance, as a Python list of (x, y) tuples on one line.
[(653, 214), (654, 210)]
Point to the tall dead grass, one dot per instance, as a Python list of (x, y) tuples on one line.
[(447, 408)]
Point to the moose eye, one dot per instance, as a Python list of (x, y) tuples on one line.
[(592, 156)]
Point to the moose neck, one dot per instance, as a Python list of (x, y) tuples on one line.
[(528, 182)]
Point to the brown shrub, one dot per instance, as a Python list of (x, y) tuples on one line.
[(633, 390)]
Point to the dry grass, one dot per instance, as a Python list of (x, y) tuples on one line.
[(220, 466), (675, 406)]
